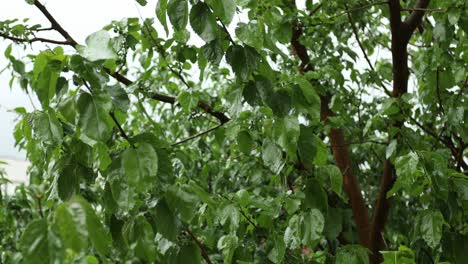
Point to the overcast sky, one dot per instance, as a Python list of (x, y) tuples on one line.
[(79, 18)]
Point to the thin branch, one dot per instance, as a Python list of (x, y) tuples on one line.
[(226, 30), (360, 8), (122, 132), (39, 206), (437, 10), (441, 107), (196, 135), (32, 40), (54, 24), (356, 35), (203, 251)]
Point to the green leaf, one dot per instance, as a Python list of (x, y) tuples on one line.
[(100, 238), (47, 127), (352, 254), (139, 234), (177, 10), (390, 149), (187, 100), (182, 202), (230, 212), (228, 244), (223, 9), (161, 8), (276, 254), (34, 242), (243, 60), (292, 234), (71, 222), (315, 196), (312, 227), (430, 227), (306, 146), (404, 255), (213, 51), (245, 142), (272, 156), (99, 46), (142, 2), (140, 166), (336, 179), (203, 22), (188, 253), (119, 97), (68, 181), (93, 117), (167, 223), (251, 34)]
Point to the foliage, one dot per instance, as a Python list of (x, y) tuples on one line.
[(254, 132)]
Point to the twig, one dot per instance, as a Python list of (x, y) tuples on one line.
[(122, 132), (54, 24), (45, 40), (226, 30), (39, 205), (424, 9), (204, 253), (356, 35), (196, 135), (112, 115), (360, 8), (441, 107)]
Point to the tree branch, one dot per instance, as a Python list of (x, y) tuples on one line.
[(339, 147), (416, 16), (196, 135), (401, 34), (45, 40), (203, 251), (356, 35)]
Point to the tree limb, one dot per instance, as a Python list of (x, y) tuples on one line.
[(339, 148), (45, 40)]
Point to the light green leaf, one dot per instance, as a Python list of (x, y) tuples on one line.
[(391, 149), (404, 255), (230, 212), (47, 127), (34, 242), (272, 156), (352, 254), (312, 227), (430, 226), (71, 222), (98, 47), (251, 34), (276, 254), (161, 8), (228, 245)]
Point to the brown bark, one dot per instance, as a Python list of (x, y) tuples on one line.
[(339, 149), (401, 34)]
